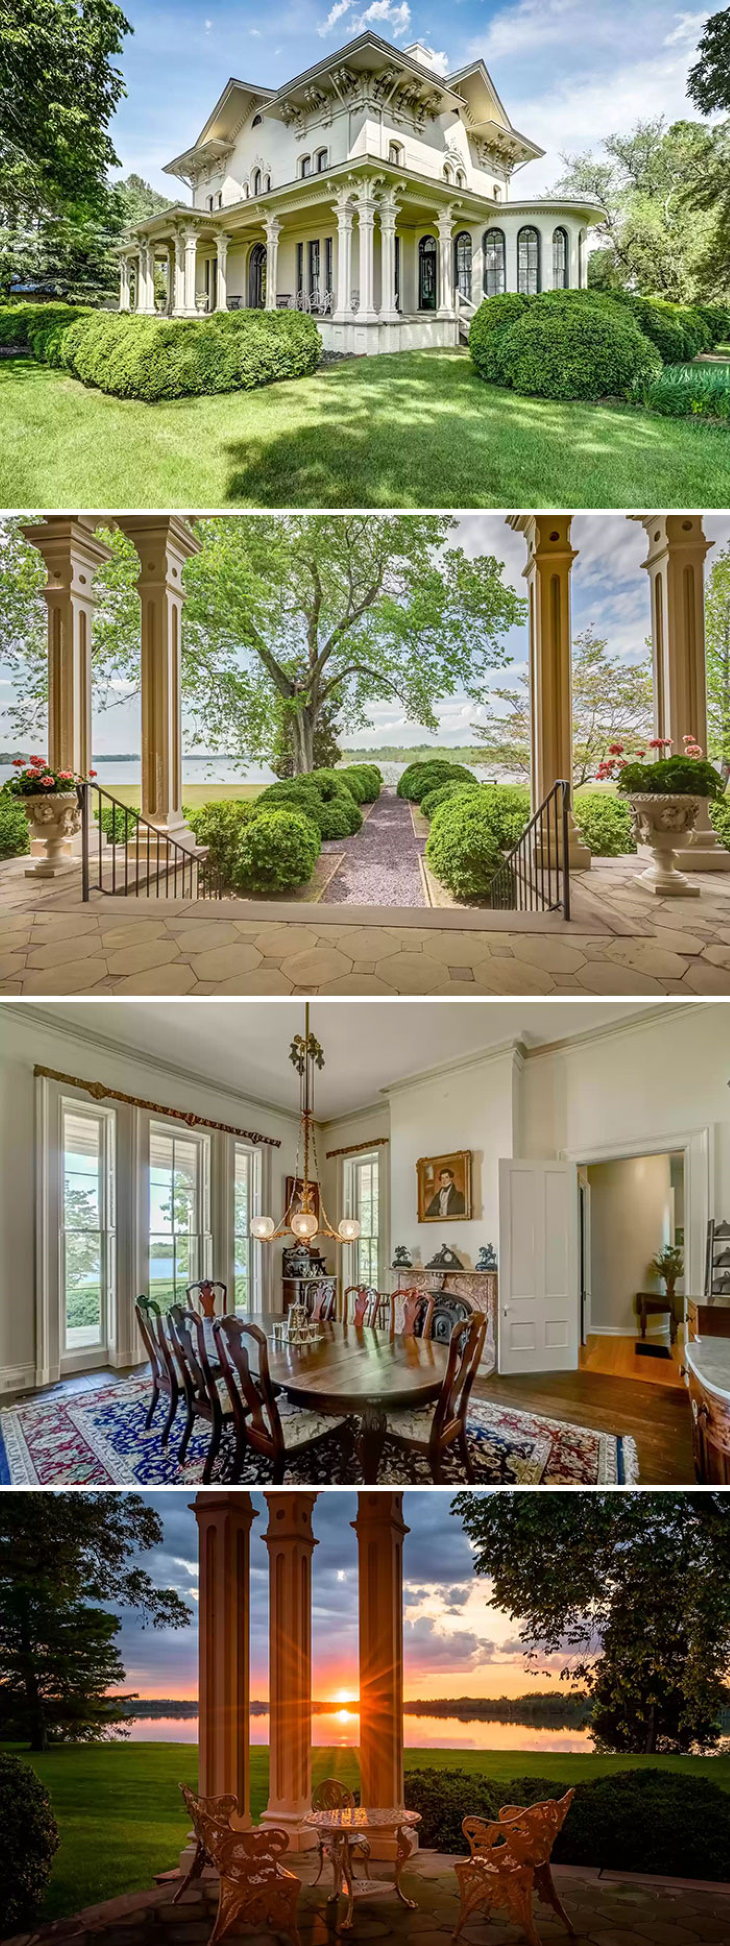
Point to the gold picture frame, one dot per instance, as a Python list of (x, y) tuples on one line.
[(433, 1172)]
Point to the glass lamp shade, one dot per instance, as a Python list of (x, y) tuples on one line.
[(304, 1224), (349, 1229), (263, 1227)]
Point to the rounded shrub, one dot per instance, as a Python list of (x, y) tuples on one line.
[(443, 1798), (487, 330), (433, 800), (719, 815), (14, 837), (28, 1842), (370, 777), (668, 326), (652, 1820), (153, 358), (339, 819), (329, 782), (507, 806), (605, 824), (570, 350), (419, 778), (219, 826), (277, 851), (336, 816), (462, 848), (717, 319)]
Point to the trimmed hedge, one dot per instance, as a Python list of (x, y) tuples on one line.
[(29, 1839), (604, 823), (487, 330), (507, 806), (462, 847), (691, 392), (658, 1821), (369, 779), (14, 835), (433, 800), (153, 358), (278, 850), (336, 816), (419, 778), (220, 827), (568, 349), (719, 815), (677, 330)]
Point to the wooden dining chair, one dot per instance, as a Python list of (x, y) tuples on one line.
[(206, 1394), (330, 1795), (254, 1888), (417, 1312), (431, 1429), (210, 1297), (509, 1862), (162, 1364), (270, 1426), (323, 1302), (369, 1307)]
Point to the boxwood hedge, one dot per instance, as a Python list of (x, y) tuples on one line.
[(29, 1840), (605, 824), (14, 838), (574, 350), (487, 330), (428, 774), (153, 358), (462, 847), (277, 851)]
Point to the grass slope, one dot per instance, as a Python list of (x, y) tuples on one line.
[(121, 1818), (417, 429)]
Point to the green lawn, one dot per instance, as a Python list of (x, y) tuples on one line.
[(414, 430), (121, 1816), (193, 794)]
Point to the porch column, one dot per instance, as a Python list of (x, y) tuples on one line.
[(290, 1542), (164, 543), (549, 561), (380, 1533), (444, 225), (343, 296), (224, 1544), (146, 291), (72, 555), (221, 246), (178, 299), (675, 563), (190, 243), (388, 218), (272, 227), (366, 225), (124, 284)]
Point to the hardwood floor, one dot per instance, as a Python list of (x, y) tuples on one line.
[(618, 1358), (656, 1416)]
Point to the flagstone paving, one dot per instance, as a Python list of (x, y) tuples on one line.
[(605, 1909), (621, 941)]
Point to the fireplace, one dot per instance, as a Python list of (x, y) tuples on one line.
[(456, 1293), (448, 1310)]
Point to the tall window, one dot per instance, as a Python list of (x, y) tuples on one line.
[(88, 1226), (257, 182), (528, 261), (581, 258), (427, 278), (494, 263), (462, 259), (178, 1213), (300, 268), (320, 161), (395, 153), (314, 265), (362, 1199), (305, 166), (560, 260), (328, 265), (242, 1239)]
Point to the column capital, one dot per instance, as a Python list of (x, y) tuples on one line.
[(547, 536), (380, 1510), (221, 243), (673, 533), (272, 226), (290, 1518), (164, 542), (212, 1505), (71, 551)]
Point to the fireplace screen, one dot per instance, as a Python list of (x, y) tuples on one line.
[(448, 1311)]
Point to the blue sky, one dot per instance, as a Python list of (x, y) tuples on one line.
[(568, 73), (610, 592), (456, 1642)]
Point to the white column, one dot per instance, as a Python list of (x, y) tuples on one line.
[(72, 555), (178, 297), (224, 1541), (380, 1533), (273, 227), (221, 245), (190, 268), (291, 1543), (124, 284), (675, 563), (366, 223), (549, 562), (343, 287), (164, 543), (444, 224), (388, 219), (146, 292)]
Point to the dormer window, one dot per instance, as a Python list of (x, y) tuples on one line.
[(256, 123), (320, 161), (305, 166), (395, 154)]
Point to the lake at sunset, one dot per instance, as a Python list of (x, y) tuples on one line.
[(342, 1727)]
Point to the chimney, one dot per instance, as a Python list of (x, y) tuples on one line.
[(424, 55)]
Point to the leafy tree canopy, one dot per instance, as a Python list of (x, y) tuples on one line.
[(612, 700), (717, 622), (632, 1589), (654, 240), (708, 83), (58, 92)]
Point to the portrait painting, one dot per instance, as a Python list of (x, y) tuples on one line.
[(444, 1187)]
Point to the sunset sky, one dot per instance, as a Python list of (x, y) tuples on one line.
[(456, 1643)]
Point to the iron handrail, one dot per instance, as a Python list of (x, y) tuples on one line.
[(152, 864), (535, 875)]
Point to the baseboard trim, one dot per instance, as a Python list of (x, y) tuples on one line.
[(655, 1329), (17, 1378)]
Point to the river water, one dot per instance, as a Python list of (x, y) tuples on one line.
[(341, 1728)]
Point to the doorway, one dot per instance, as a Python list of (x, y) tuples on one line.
[(257, 278), (630, 1208), (427, 276)]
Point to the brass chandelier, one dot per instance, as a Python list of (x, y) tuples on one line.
[(300, 1218)]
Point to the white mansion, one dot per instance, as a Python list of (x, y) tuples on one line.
[(373, 191)]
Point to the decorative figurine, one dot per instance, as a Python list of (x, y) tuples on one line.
[(487, 1258), (445, 1259), (402, 1259)]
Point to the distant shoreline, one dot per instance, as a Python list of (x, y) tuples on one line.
[(542, 1711)]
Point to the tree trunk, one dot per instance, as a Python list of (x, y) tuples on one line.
[(303, 726), (37, 1729), (651, 1731)]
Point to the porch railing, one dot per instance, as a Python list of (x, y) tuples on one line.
[(137, 861), (535, 875)]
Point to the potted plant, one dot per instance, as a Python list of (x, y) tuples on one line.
[(669, 1262), (51, 802), (665, 793)]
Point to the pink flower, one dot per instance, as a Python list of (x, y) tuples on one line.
[(18, 763), (615, 749), (37, 760), (65, 773), (47, 782), (659, 743)]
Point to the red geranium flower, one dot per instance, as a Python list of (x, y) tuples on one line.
[(18, 762), (92, 773), (47, 782)]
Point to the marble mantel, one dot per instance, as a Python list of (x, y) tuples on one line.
[(477, 1289)]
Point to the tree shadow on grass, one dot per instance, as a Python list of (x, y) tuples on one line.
[(420, 429)]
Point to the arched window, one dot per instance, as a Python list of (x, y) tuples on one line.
[(494, 263), (528, 261), (256, 123), (460, 179), (257, 277), (305, 166), (395, 153), (256, 185), (561, 260), (447, 172), (427, 274), (267, 184), (462, 263), (320, 161)]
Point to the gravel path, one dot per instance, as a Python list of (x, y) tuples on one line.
[(381, 862)]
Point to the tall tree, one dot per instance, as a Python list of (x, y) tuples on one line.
[(61, 1555), (290, 620), (58, 92), (612, 700), (717, 626), (632, 1590), (652, 241), (708, 82)]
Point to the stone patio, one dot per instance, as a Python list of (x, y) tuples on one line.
[(605, 1908), (620, 940)]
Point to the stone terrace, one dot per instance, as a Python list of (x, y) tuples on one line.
[(607, 1909), (621, 940)]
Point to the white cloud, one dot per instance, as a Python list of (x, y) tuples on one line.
[(687, 31), (386, 13), (335, 13)]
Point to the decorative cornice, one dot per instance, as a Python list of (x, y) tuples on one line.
[(100, 1091)]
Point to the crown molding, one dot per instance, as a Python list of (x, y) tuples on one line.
[(482, 1057), (649, 1016)]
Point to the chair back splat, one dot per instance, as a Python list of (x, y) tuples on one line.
[(465, 1350), (418, 1309), (510, 1861), (369, 1306), (209, 1296), (255, 1890)]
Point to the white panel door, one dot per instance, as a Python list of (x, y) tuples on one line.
[(539, 1282)]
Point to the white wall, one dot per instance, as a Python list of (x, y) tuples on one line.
[(631, 1218), (471, 1106)]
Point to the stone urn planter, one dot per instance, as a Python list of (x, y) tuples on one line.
[(52, 822), (663, 822)]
